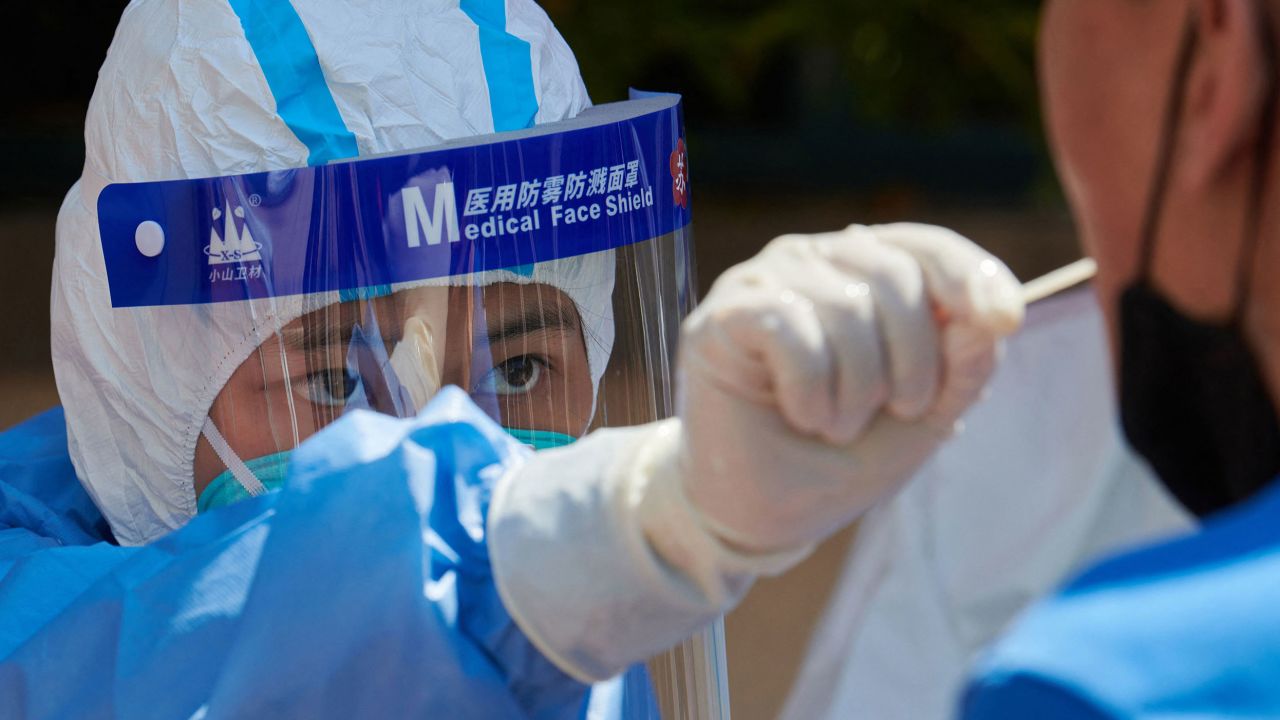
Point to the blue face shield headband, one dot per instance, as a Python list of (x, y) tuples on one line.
[(614, 176)]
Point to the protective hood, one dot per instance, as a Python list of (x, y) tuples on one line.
[(207, 89)]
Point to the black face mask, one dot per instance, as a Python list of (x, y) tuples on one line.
[(1193, 401)]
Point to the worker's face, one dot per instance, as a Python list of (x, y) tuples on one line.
[(1106, 67), (517, 349)]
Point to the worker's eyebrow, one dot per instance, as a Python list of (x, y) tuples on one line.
[(534, 316), (314, 333), (336, 324)]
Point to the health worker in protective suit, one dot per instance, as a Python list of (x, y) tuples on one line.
[(1163, 119), (343, 304)]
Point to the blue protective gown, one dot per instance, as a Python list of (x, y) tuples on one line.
[(1185, 629), (361, 590)]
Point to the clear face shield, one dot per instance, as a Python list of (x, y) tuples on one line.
[(544, 272)]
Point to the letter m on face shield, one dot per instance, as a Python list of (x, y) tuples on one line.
[(509, 200), (420, 223)]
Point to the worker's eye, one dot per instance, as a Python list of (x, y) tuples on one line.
[(332, 388), (517, 376)]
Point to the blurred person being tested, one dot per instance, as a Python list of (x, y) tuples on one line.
[(290, 212), (1163, 117)]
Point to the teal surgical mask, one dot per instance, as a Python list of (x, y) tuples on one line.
[(270, 470), (226, 490), (541, 439)]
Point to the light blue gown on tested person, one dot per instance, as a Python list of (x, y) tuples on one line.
[(1188, 628), (361, 590)]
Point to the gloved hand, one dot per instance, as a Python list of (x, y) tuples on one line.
[(818, 376), (814, 380)]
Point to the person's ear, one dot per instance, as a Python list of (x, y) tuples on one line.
[(1226, 89)]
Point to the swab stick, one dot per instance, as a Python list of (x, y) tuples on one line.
[(1064, 278)]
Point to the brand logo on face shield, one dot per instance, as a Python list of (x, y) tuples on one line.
[(680, 175), (232, 245)]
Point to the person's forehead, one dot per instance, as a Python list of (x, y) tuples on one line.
[(1115, 19), (335, 322), (1102, 56), (508, 292)]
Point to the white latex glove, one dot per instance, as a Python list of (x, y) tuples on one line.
[(815, 379), (818, 376)]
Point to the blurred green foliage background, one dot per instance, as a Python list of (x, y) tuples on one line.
[(936, 96), (925, 63)]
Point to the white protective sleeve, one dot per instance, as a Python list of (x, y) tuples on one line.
[(603, 573)]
